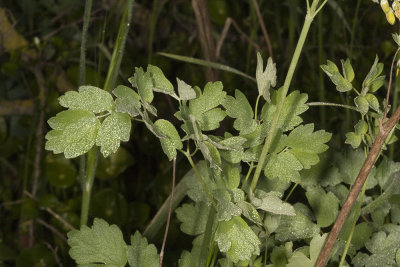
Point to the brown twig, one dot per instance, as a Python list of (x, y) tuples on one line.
[(384, 131), (53, 229), (49, 210), (228, 23), (169, 212), (202, 15), (263, 28)]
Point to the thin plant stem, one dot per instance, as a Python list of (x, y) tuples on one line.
[(109, 84), (169, 212), (291, 191), (332, 105), (200, 178), (263, 28), (274, 125), (207, 238), (256, 107), (353, 29), (82, 58), (119, 47), (321, 91), (248, 175)]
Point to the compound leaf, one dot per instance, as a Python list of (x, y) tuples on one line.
[(185, 91), (100, 244), (172, 141), (212, 97), (237, 239), (295, 104), (160, 82), (114, 129), (325, 205), (284, 166), (128, 101), (140, 253), (240, 109), (144, 83), (193, 218), (89, 98), (297, 227), (74, 132), (306, 144)]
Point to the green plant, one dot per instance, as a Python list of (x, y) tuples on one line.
[(230, 213)]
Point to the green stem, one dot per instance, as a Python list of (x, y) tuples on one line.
[(201, 180), (92, 158), (256, 108), (291, 191), (207, 239), (274, 125), (321, 91), (82, 60), (119, 47), (247, 176)]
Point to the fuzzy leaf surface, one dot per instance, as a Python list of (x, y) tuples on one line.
[(89, 98), (160, 82), (307, 144), (102, 243), (237, 239), (298, 259), (295, 104), (212, 96), (185, 91), (284, 166), (273, 204), (297, 227), (114, 129), (140, 253), (128, 101), (144, 83), (74, 132), (193, 217), (238, 107), (172, 140), (325, 205), (265, 78)]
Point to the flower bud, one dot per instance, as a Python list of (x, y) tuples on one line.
[(390, 17), (385, 6)]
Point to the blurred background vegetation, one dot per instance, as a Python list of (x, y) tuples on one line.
[(39, 60)]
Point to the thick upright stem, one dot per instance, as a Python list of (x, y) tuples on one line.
[(274, 125), (87, 184)]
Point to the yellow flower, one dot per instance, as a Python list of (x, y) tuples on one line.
[(385, 6), (390, 17)]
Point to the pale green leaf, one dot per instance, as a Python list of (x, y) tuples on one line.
[(172, 141), (240, 109), (265, 78), (342, 84), (186, 92), (297, 227), (372, 102), (237, 239), (295, 104), (325, 205), (374, 72), (144, 83), (195, 190), (212, 96), (74, 132), (306, 144), (211, 119), (273, 204), (128, 101), (284, 166), (100, 244), (362, 104), (88, 98), (211, 154), (160, 82), (193, 217), (114, 129), (249, 211), (353, 139), (361, 127), (140, 253), (348, 71)]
